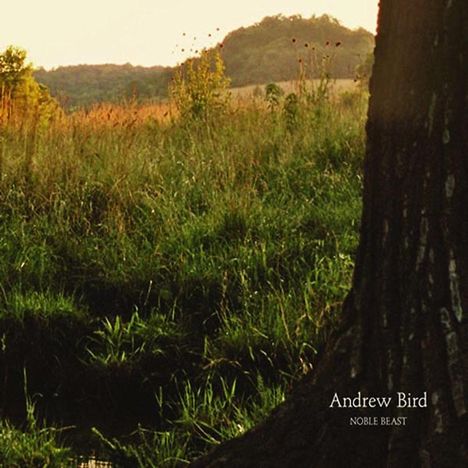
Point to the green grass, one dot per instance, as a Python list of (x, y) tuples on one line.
[(34, 445), (207, 415), (203, 263), (117, 343)]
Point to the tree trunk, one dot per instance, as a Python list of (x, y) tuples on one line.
[(405, 321)]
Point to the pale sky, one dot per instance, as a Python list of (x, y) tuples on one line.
[(148, 32)]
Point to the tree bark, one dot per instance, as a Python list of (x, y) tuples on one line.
[(405, 321)]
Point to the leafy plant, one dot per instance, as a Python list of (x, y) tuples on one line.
[(273, 95), (117, 343), (291, 110), (200, 88), (123, 344)]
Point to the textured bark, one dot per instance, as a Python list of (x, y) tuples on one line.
[(405, 321)]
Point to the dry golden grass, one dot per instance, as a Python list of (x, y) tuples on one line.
[(131, 114), (108, 115), (99, 117)]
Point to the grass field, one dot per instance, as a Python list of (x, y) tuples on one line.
[(164, 282), (337, 87)]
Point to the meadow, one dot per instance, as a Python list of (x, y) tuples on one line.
[(164, 281)]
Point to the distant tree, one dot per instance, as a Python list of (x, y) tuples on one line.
[(269, 50), (83, 85), (13, 68), (257, 54), (20, 94)]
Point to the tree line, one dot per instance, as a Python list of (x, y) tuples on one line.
[(275, 49)]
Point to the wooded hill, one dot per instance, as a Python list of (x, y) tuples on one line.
[(274, 49), (271, 50), (82, 85)]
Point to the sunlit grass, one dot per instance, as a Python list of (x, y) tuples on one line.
[(207, 260)]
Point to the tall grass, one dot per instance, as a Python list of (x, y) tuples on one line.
[(208, 260), (34, 444)]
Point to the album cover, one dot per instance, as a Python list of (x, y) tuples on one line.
[(233, 234)]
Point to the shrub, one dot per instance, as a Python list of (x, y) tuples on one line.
[(199, 88), (273, 95)]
